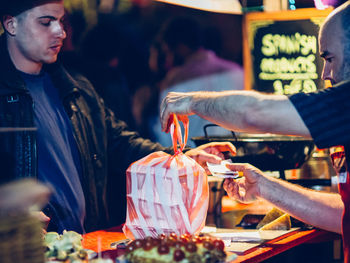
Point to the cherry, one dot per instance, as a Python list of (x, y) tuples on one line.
[(208, 245), (184, 238), (198, 239), (168, 241), (129, 248), (178, 244), (173, 235), (191, 247), (179, 255), (155, 242), (163, 249), (162, 236), (219, 244), (148, 244), (138, 243)]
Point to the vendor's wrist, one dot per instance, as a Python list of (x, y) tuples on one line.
[(262, 185)]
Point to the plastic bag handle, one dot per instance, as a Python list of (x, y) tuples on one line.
[(175, 132)]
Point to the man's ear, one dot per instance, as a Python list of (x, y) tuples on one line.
[(9, 24)]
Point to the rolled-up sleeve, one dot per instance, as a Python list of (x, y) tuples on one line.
[(326, 114)]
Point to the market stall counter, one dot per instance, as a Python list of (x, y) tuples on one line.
[(104, 238)]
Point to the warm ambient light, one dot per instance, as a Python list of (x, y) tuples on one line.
[(219, 6)]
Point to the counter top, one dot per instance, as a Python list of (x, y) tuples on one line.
[(257, 254)]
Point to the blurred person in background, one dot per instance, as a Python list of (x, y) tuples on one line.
[(78, 146), (145, 106), (323, 116), (102, 54), (191, 68)]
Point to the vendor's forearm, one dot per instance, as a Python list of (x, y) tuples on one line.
[(249, 111), (323, 210)]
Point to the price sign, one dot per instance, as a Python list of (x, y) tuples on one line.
[(281, 53)]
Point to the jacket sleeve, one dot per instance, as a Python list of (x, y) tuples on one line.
[(126, 146)]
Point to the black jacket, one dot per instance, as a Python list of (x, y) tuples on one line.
[(106, 145)]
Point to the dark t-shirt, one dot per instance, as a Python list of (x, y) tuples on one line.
[(58, 157), (327, 116)]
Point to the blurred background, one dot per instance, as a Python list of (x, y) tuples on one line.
[(116, 44)]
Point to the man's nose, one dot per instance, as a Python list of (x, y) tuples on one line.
[(59, 30), (326, 73)]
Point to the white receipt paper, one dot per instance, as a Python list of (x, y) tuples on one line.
[(220, 170), (251, 236)]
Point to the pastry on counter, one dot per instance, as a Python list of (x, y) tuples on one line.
[(275, 219)]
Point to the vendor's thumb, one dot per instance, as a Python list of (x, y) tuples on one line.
[(246, 170), (236, 167), (202, 156)]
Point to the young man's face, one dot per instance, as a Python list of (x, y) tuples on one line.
[(39, 33), (332, 51)]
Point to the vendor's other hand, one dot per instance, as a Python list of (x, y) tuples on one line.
[(212, 152), (175, 102), (245, 189)]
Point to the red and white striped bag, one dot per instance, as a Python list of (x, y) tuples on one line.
[(166, 193)]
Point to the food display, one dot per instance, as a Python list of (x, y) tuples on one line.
[(65, 248), (275, 220), (173, 248)]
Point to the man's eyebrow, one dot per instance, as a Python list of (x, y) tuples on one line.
[(324, 54), (49, 17)]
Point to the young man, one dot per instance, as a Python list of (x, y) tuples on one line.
[(323, 116), (79, 147)]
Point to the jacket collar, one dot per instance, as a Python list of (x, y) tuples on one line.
[(11, 80), (62, 80)]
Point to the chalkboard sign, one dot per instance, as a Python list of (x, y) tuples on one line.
[(281, 53)]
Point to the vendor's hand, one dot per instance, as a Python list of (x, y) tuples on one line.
[(245, 189), (175, 102), (211, 152)]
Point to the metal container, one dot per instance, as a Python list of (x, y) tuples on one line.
[(268, 152)]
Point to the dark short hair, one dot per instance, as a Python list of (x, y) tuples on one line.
[(182, 30), (16, 7)]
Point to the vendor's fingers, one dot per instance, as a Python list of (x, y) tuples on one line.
[(220, 147), (240, 167), (177, 103), (165, 111), (215, 151), (206, 170), (234, 192), (226, 183), (226, 147), (229, 186), (164, 116), (207, 157), (241, 193)]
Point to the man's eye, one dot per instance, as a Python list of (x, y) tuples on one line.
[(329, 59), (45, 23)]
